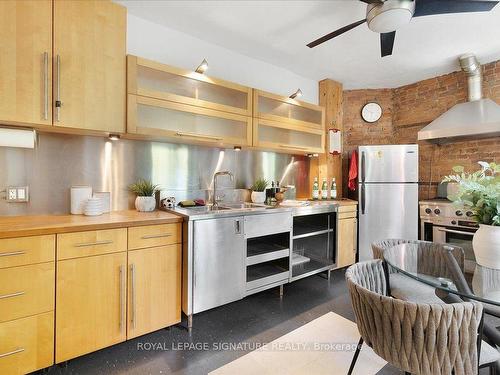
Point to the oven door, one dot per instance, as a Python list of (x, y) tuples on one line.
[(460, 237)]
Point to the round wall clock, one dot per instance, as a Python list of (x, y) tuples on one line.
[(371, 112)]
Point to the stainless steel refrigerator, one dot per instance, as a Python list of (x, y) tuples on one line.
[(387, 194)]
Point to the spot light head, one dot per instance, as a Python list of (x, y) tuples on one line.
[(202, 67), (296, 94)]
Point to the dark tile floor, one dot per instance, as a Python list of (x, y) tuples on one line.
[(260, 318)]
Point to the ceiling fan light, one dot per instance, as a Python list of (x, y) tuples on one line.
[(389, 16)]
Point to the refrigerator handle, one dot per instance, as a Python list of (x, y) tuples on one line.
[(362, 166), (362, 192)]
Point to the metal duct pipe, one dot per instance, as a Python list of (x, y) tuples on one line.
[(472, 68)]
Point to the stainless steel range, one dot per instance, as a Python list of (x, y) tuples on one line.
[(444, 222)]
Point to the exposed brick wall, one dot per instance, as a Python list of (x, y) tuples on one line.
[(408, 109)]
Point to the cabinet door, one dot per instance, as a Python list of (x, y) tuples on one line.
[(346, 242), (154, 289), (90, 300), (26, 53), (89, 65), (219, 262), (280, 137), (283, 109), (160, 81), (186, 123)]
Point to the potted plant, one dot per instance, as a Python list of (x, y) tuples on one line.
[(259, 191), (145, 191), (480, 191)]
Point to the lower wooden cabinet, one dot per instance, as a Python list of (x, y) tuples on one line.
[(27, 344), (347, 237), (154, 289), (90, 304)]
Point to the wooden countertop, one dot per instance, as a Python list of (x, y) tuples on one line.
[(20, 226)]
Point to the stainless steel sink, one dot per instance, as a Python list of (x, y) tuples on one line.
[(242, 206)]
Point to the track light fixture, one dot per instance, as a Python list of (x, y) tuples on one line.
[(202, 67), (296, 94)]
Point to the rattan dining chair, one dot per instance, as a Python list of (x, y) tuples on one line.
[(433, 263), (418, 338)]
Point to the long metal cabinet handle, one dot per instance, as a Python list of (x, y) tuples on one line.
[(122, 300), (294, 147), (12, 253), (105, 242), (45, 85), (194, 135), (12, 295), (12, 352), (58, 87), (237, 227), (456, 231), (149, 236), (132, 295)]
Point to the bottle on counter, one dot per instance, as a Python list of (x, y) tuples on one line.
[(315, 189), (324, 189), (333, 189)]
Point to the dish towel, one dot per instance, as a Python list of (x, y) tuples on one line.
[(353, 171)]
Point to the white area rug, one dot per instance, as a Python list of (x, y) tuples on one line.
[(324, 346)]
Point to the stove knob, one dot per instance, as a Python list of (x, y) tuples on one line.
[(459, 213), (453, 222), (469, 213), (428, 211), (437, 211)]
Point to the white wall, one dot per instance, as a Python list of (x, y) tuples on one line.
[(159, 43)]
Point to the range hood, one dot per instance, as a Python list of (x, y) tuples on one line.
[(476, 118)]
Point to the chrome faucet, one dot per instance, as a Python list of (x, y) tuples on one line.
[(215, 200)]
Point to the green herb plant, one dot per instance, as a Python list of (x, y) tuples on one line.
[(479, 190)]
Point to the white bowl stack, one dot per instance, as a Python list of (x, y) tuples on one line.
[(93, 207)]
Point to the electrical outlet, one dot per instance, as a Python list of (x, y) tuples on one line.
[(17, 194), (11, 194)]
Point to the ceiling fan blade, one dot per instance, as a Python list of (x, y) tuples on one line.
[(387, 43), (372, 1), (430, 7), (335, 33)]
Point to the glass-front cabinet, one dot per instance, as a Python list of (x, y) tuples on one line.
[(287, 125), (186, 106)]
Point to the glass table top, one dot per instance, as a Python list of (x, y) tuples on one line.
[(443, 268)]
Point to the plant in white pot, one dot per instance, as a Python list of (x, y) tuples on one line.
[(480, 191), (145, 191), (259, 191)]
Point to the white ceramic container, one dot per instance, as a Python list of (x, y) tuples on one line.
[(79, 197), (145, 204), (258, 196)]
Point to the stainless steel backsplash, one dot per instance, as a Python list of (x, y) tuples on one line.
[(61, 161)]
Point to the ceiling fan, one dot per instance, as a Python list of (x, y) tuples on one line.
[(386, 16)]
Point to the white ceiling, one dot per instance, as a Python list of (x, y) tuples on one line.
[(277, 32)]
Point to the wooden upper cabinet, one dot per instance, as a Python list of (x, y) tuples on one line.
[(90, 65), (160, 81), (185, 106), (283, 109), (287, 125), (25, 62)]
